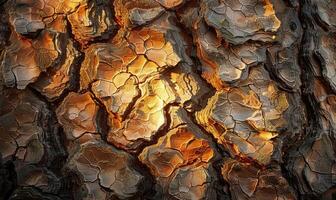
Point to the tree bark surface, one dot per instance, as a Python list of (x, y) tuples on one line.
[(168, 99)]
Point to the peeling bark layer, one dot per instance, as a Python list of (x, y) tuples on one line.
[(168, 99)]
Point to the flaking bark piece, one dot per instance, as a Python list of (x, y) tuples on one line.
[(39, 54), (181, 160), (102, 167), (78, 115), (245, 119), (249, 182), (21, 128), (133, 13), (240, 21)]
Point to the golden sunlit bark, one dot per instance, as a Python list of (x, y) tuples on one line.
[(167, 99)]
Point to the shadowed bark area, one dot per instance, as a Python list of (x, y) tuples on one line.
[(168, 99)]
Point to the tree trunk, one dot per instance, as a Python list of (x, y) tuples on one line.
[(168, 99)]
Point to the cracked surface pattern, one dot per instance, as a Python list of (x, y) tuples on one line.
[(250, 182), (247, 118), (167, 99), (239, 21), (102, 168), (78, 114), (20, 128)]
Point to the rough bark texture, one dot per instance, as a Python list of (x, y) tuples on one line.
[(168, 99)]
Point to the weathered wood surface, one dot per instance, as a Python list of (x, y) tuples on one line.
[(168, 99)]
